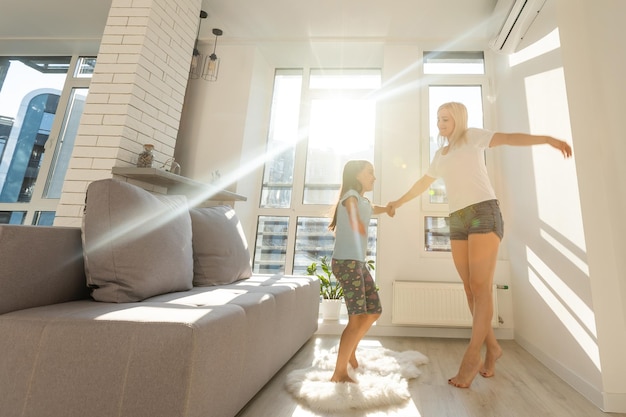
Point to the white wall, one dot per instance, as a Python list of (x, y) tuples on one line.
[(567, 274), (225, 125), (214, 118)]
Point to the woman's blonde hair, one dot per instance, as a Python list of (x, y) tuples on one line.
[(349, 182), (458, 112)]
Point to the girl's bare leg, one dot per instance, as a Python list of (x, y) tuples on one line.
[(358, 325), (475, 260)]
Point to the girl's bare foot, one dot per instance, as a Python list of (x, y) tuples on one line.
[(489, 368), (341, 378), (467, 371)]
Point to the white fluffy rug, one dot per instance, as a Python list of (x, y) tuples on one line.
[(382, 380)]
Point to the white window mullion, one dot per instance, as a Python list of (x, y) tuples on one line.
[(299, 170), (301, 147)]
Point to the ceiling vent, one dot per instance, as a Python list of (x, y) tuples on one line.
[(514, 18)]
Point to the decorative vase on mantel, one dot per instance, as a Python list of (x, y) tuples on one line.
[(146, 157)]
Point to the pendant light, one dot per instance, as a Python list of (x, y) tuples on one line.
[(196, 58), (212, 62)]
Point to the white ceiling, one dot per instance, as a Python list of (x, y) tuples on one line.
[(347, 19), (25, 23)]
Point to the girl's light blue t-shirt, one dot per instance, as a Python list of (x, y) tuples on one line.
[(349, 243)]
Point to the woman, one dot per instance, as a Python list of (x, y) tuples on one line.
[(476, 226)]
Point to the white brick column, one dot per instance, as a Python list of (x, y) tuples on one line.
[(136, 94)]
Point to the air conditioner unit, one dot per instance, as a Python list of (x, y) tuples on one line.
[(515, 18)]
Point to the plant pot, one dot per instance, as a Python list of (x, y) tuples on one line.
[(330, 309)]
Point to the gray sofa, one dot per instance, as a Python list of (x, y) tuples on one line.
[(202, 351)]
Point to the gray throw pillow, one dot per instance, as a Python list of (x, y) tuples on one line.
[(136, 244), (220, 248)]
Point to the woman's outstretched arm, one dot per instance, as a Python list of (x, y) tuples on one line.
[(416, 189), (524, 139)]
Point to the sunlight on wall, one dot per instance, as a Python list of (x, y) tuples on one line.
[(575, 259), (575, 315), (548, 43), (556, 182), (560, 214)]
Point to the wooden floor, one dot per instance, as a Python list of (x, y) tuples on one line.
[(522, 387)]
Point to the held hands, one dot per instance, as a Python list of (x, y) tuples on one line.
[(562, 146), (391, 207)]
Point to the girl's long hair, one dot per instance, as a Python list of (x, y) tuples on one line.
[(349, 182), (458, 111)]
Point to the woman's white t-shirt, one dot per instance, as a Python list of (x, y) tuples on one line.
[(464, 171), (349, 243)]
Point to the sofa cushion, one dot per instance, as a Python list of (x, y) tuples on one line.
[(220, 249), (27, 278), (136, 244)]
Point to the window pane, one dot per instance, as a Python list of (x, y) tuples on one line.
[(85, 67), (282, 140), (6, 123), (271, 245), (65, 143), (345, 79), (454, 62), (471, 96), (340, 130), (436, 234), (44, 218), (12, 217), (314, 240)]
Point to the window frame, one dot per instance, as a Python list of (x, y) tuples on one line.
[(38, 202), (429, 209), (297, 207)]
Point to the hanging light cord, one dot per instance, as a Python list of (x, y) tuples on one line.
[(216, 32)]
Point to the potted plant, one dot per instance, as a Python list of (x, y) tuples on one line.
[(331, 292)]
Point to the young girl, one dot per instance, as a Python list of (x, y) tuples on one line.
[(350, 223), (476, 225)]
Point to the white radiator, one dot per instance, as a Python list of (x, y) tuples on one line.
[(440, 304)]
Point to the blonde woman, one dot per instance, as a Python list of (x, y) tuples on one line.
[(476, 226)]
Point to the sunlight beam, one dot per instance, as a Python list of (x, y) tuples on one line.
[(253, 164)]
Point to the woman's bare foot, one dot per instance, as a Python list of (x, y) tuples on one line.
[(341, 378), (467, 371), (489, 368)]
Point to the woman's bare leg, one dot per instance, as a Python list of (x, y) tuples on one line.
[(475, 259), (358, 325), (354, 363), (460, 256)]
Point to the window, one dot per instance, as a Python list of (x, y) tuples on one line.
[(320, 119), (454, 62), (437, 234), (65, 143), (282, 141), (459, 77), (34, 143)]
